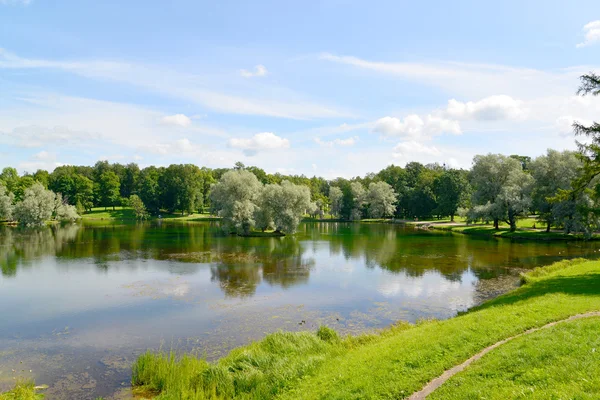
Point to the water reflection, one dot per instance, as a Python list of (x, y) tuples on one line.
[(239, 265)]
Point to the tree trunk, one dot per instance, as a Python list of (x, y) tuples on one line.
[(451, 217), (496, 224), (513, 225), (548, 228)]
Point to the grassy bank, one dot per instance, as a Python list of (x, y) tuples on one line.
[(504, 232), (126, 214), (22, 391), (389, 364)]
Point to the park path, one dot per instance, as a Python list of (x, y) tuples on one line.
[(439, 381)]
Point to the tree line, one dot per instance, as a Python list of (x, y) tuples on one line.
[(497, 189), (560, 187)]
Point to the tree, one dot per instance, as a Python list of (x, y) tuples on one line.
[(139, 209), (10, 178), (336, 198), (129, 180), (450, 189), (234, 199), (149, 188), (63, 211), (553, 173), (381, 199), (282, 206), (6, 204), (181, 188), (590, 84), (37, 206), (358, 200), (502, 190), (108, 189)]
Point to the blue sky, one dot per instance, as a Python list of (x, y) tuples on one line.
[(332, 88)]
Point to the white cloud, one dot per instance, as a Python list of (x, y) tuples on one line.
[(190, 87), (351, 141), (42, 160), (410, 148), (179, 146), (177, 119), (413, 126), (38, 136), (259, 142), (592, 34), (472, 80), (497, 107), (564, 124), (259, 70)]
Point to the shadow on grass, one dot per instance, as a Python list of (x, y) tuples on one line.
[(579, 285), (118, 214)]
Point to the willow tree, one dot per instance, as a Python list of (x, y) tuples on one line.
[(502, 190), (6, 204), (381, 199), (282, 206), (234, 199)]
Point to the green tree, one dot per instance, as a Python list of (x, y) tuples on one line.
[(554, 173), (149, 188), (181, 188), (359, 197), (129, 180), (381, 199), (234, 199), (502, 190), (139, 209), (10, 178), (107, 189), (6, 204), (36, 207), (282, 206), (451, 190), (336, 198)]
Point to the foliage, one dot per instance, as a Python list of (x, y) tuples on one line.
[(502, 190), (381, 199), (107, 189), (234, 199), (139, 209), (282, 206), (336, 197), (6, 204), (451, 188), (359, 197), (181, 188), (37, 206)]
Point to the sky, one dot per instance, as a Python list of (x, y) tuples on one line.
[(328, 88)]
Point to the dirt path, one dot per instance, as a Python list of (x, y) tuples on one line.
[(439, 381)]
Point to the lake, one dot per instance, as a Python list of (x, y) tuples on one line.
[(79, 303)]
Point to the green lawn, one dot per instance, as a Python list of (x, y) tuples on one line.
[(127, 214), (390, 364), (561, 362), (489, 230)]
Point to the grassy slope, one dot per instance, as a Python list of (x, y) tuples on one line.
[(392, 364), (561, 362)]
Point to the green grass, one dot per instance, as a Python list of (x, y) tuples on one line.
[(561, 362), (121, 214), (22, 391), (389, 364), (520, 233)]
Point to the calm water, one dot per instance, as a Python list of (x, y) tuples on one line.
[(78, 303)]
